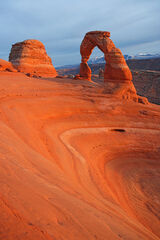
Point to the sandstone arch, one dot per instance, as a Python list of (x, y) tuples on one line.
[(115, 69)]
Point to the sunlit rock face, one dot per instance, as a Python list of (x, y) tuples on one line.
[(6, 66), (117, 75), (30, 57), (76, 162), (116, 68)]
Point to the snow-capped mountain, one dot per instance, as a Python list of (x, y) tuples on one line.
[(127, 57), (146, 56), (96, 60)]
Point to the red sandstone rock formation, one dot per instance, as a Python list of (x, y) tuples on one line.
[(116, 68), (117, 75), (6, 66), (76, 163), (30, 57)]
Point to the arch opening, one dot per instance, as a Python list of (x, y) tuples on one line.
[(97, 64)]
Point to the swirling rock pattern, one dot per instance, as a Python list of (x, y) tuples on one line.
[(76, 163)]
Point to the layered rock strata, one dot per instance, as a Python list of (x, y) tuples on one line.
[(31, 57), (76, 163)]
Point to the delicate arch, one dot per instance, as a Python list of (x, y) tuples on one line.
[(115, 68)]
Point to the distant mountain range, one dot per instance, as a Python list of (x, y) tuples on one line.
[(99, 60), (67, 66), (127, 57)]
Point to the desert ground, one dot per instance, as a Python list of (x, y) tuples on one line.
[(76, 163)]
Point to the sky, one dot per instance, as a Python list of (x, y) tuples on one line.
[(62, 24)]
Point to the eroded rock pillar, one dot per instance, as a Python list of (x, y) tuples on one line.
[(116, 68), (85, 71), (86, 49), (30, 57)]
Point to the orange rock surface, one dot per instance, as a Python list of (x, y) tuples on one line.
[(6, 66), (117, 75), (76, 162), (116, 68), (30, 57)]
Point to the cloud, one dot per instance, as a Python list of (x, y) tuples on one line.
[(61, 24)]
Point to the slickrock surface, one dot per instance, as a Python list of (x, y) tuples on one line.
[(30, 57), (6, 66), (146, 82), (115, 69), (76, 162)]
